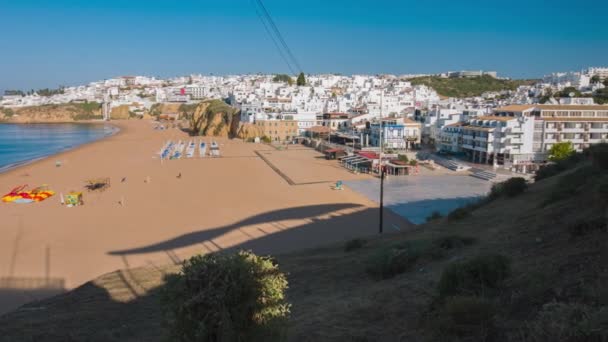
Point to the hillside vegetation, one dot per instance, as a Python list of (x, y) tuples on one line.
[(467, 87), (526, 264)]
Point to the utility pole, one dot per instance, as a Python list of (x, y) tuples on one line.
[(380, 168)]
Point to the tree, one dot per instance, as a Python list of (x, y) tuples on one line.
[(606, 82), (301, 79), (561, 151), (595, 79), (283, 78)]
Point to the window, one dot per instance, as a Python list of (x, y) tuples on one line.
[(568, 136), (602, 114), (576, 113), (569, 125), (596, 125)]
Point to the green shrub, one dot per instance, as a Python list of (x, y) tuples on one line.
[(470, 317), (8, 112), (87, 116), (602, 189), (435, 215), (354, 244), (452, 242), (475, 276), (510, 188), (398, 258), (570, 184), (569, 322), (266, 139), (413, 162), (599, 155), (403, 158), (459, 213), (391, 261), (226, 297), (584, 227), (558, 167)]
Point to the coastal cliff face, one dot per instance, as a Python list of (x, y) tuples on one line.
[(52, 113), (212, 118)]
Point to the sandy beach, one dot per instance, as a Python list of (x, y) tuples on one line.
[(253, 197)]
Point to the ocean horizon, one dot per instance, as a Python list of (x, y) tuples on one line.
[(23, 143)]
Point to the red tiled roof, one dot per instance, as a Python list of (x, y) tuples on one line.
[(369, 155)]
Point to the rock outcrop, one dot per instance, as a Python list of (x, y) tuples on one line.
[(212, 118), (52, 113)]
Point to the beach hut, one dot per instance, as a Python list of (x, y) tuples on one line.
[(334, 153), (73, 199)]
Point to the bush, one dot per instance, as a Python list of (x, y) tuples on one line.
[(599, 155), (435, 215), (226, 297), (475, 276), (587, 226), (558, 167), (453, 241), (8, 112), (510, 188), (459, 213), (413, 162), (471, 317), (266, 139), (353, 244), (403, 158), (602, 189), (391, 261), (569, 322), (570, 184)]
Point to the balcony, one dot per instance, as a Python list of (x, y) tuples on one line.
[(515, 141), (515, 130), (467, 137), (467, 146)]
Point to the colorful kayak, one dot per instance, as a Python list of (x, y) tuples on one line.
[(19, 195)]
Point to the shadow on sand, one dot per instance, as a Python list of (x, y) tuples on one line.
[(311, 213)]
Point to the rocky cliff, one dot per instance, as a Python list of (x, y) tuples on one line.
[(52, 113)]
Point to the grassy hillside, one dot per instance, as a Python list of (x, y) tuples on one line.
[(394, 287), (466, 87)]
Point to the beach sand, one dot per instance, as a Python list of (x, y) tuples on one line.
[(253, 197)]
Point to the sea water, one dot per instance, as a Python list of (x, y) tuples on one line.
[(22, 143)]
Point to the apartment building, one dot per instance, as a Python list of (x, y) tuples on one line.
[(397, 133), (279, 130), (521, 136), (450, 138), (336, 121)]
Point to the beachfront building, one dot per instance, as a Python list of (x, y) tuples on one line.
[(336, 121), (521, 136), (496, 138), (397, 133), (450, 138), (279, 130)]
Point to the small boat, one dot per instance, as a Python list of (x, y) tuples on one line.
[(190, 150), (202, 149)]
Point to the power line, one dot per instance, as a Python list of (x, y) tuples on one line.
[(279, 35), (276, 44)]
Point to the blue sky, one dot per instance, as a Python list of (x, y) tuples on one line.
[(48, 43)]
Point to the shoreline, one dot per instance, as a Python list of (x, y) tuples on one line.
[(116, 130)]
